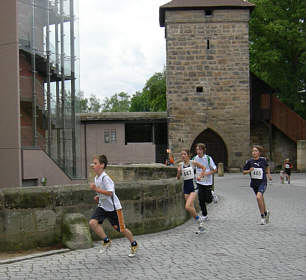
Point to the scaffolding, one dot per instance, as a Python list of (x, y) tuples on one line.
[(49, 80)]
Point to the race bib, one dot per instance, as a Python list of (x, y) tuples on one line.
[(257, 173), (204, 180), (188, 173)]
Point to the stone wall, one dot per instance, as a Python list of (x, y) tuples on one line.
[(301, 155), (282, 147), (208, 79), (136, 172), (32, 217)]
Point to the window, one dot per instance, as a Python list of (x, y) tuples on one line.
[(113, 136), (110, 135), (208, 12), (106, 136), (138, 132), (199, 89)]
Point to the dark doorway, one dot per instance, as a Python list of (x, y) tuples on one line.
[(215, 146)]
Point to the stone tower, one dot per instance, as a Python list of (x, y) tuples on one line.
[(207, 73)]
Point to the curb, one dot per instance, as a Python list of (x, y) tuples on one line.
[(33, 256)]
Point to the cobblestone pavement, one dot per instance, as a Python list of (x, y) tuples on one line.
[(234, 245)]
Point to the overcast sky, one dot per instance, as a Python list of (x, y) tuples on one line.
[(121, 45)]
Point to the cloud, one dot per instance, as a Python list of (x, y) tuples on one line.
[(121, 45)]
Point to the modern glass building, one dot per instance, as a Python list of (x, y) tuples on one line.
[(44, 90), (49, 79)]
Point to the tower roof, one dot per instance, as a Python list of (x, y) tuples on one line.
[(202, 4)]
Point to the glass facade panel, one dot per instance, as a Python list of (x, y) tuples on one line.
[(49, 80)]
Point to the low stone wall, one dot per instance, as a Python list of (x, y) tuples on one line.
[(136, 172), (32, 217)]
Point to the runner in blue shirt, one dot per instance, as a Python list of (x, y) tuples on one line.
[(258, 168)]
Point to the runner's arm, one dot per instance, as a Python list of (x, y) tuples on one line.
[(179, 171), (98, 190), (268, 173), (199, 165)]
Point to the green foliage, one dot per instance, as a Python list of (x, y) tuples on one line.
[(278, 48), (89, 105), (119, 102), (151, 99), (153, 96), (139, 102)]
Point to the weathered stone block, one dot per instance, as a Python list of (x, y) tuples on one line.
[(76, 234), (45, 219)]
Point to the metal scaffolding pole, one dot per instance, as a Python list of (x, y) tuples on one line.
[(34, 93), (58, 112), (72, 61), (48, 78), (63, 84)]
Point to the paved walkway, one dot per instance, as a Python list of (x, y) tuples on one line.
[(234, 245)]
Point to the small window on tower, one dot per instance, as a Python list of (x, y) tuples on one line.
[(208, 12), (199, 89)]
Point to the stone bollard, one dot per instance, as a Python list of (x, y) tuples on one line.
[(75, 232), (220, 169)]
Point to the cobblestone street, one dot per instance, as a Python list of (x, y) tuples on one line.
[(233, 246)]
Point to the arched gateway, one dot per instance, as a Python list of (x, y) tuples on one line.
[(215, 146)]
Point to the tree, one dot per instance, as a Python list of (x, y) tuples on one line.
[(119, 102), (153, 96), (278, 48), (139, 102), (89, 105)]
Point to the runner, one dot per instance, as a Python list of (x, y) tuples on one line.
[(287, 169), (258, 168), (109, 207), (186, 170), (205, 184)]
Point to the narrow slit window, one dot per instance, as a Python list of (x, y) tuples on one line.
[(208, 12), (199, 89), (208, 44)]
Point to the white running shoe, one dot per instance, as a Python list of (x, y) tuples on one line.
[(200, 228), (133, 251), (105, 247), (215, 197), (262, 221), (204, 218), (267, 218)]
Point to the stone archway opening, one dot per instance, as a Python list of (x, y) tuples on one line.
[(215, 146)]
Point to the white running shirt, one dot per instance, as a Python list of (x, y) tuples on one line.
[(108, 203), (208, 179), (188, 170)]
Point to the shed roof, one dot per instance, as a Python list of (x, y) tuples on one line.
[(123, 116), (202, 4)]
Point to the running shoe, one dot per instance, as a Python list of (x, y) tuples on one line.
[(215, 197), (262, 221), (105, 247), (200, 228), (204, 218), (267, 218), (133, 251)]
